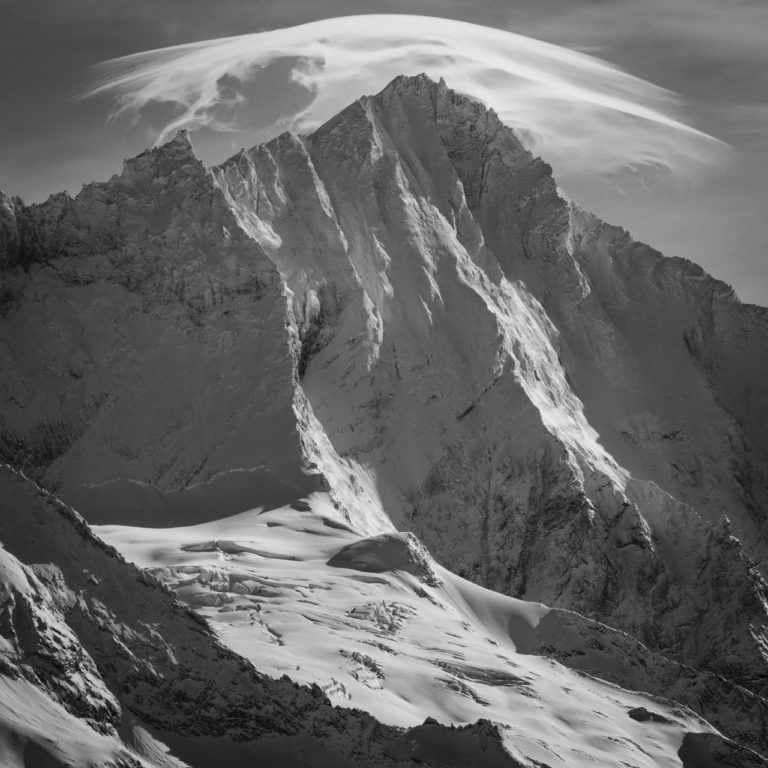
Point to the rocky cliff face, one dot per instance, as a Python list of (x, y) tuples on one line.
[(526, 388), (403, 309), (124, 310)]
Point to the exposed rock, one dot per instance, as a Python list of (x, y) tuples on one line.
[(147, 365), (388, 552), (642, 715), (707, 750)]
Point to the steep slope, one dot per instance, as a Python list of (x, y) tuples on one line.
[(452, 312), (125, 311), (402, 308)]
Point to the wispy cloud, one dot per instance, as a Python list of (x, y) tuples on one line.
[(580, 113)]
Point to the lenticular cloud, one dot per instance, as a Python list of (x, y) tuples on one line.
[(580, 113)]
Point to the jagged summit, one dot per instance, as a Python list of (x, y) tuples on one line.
[(180, 144), (181, 138), (401, 315), (176, 156), (420, 83)]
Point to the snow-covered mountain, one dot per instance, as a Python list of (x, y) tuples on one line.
[(398, 323)]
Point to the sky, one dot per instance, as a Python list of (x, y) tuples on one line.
[(708, 58)]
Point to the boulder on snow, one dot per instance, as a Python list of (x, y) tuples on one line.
[(388, 552)]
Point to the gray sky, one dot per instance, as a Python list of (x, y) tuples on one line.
[(712, 52)]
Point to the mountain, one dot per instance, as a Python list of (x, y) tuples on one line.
[(399, 323)]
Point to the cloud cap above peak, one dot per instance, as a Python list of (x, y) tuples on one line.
[(580, 113)]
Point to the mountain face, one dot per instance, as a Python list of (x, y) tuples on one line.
[(402, 315)]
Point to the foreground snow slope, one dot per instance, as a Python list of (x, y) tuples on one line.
[(108, 666), (402, 311), (100, 665), (380, 626)]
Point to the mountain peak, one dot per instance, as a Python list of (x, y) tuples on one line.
[(180, 144), (421, 83), (165, 159), (182, 136)]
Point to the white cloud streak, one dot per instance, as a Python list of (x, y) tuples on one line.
[(580, 113)]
